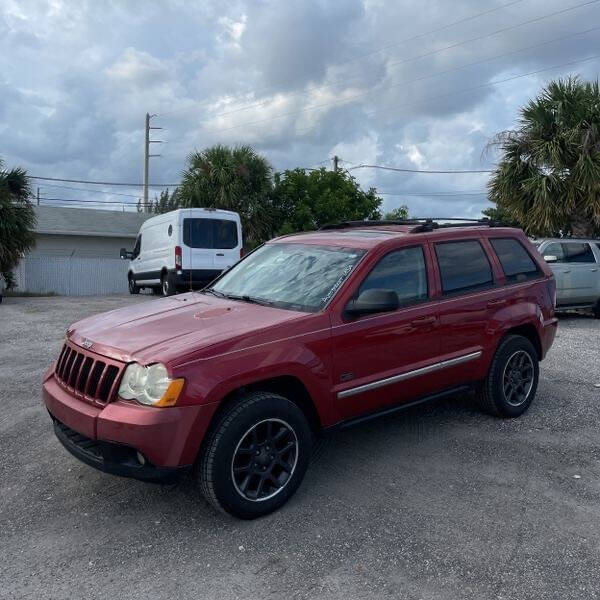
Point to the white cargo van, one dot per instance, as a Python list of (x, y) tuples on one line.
[(184, 249)]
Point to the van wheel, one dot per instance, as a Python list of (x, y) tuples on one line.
[(133, 289), (255, 456), (597, 310), (166, 285), (512, 380)]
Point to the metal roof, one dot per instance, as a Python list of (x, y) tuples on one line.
[(83, 221)]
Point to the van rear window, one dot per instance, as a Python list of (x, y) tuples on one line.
[(210, 233)]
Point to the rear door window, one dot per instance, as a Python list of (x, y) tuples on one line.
[(516, 262), (210, 233), (402, 271), (463, 266), (578, 253)]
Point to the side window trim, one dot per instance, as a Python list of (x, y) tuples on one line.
[(427, 298), (468, 290)]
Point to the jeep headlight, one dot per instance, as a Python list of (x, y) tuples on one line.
[(150, 385)]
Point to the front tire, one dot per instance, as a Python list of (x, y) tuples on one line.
[(133, 289), (596, 310), (512, 380), (255, 456)]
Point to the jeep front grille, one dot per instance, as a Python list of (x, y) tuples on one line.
[(87, 375)]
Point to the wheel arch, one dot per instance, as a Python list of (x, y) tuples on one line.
[(288, 386), (528, 331)]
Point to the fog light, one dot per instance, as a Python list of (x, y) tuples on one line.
[(140, 458)]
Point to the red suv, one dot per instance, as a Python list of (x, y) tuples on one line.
[(306, 333)]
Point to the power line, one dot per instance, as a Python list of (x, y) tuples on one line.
[(416, 170), (382, 49), (438, 194), (90, 190), (110, 183), (369, 92), (403, 61), (454, 93)]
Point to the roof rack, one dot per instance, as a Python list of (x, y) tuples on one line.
[(421, 224)]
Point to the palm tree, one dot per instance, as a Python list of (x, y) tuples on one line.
[(235, 179), (17, 219), (549, 176)]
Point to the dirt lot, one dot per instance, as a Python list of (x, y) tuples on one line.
[(440, 502)]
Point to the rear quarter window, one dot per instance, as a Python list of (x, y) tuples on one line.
[(464, 266), (516, 262)]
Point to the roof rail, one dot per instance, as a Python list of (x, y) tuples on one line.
[(421, 224)]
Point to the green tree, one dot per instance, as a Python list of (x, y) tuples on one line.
[(397, 214), (304, 201), (235, 179), (549, 175), (17, 219), (165, 202)]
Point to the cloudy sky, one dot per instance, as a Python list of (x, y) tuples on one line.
[(414, 85)]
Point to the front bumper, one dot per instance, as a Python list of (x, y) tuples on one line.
[(168, 438), (110, 457)]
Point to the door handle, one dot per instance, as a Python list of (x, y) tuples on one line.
[(220, 254), (593, 270), (423, 321), (496, 303), (567, 271)]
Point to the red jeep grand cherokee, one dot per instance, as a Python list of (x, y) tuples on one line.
[(308, 332)]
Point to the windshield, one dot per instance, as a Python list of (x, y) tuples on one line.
[(297, 276)]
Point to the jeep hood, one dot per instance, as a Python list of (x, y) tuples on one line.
[(168, 329)]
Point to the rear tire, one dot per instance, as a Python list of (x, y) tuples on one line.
[(166, 285), (255, 456), (512, 380), (133, 289), (596, 310)]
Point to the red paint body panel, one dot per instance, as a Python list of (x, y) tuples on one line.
[(219, 346)]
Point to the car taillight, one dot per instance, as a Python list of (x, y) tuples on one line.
[(178, 257), (241, 253)]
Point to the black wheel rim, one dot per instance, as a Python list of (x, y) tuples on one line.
[(517, 379), (264, 460)]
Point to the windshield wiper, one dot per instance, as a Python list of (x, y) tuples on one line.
[(214, 293), (251, 299)]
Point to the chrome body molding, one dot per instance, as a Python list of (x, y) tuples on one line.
[(444, 364)]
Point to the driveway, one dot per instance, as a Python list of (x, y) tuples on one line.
[(440, 502)]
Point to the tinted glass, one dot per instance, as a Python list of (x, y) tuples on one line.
[(578, 253), (210, 233), (136, 248), (297, 276), (463, 266), (402, 271), (554, 249), (515, 260)]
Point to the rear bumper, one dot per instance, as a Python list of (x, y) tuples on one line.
[(197, 277), (167, 438), (548, 333)]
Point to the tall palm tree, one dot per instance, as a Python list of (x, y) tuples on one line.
[(549, 176), (17, 219), (235, 179)]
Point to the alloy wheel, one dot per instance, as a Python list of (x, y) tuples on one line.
[(264, 460), (517, 379)]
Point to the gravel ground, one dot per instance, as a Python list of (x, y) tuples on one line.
[(440, 502)]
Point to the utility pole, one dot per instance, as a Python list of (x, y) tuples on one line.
[(147, 157), (38, 196), (335, 163)]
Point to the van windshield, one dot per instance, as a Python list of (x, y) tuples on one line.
[(297, 276), (210, 233)]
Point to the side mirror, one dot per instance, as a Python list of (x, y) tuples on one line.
[(124, 254), (550, 258), (373, 301)]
